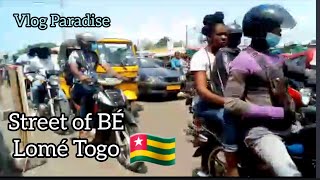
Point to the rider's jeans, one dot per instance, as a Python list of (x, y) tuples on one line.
[(38, 93), (83, 93), (222, 119), (271, 150)]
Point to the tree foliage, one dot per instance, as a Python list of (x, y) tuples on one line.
[(44, 44), (162, 42), (178, 44)]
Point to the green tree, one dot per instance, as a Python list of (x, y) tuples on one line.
[(147, 45), (162, 42), (178, 44)]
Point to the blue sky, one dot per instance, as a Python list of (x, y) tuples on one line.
[(141, 19)]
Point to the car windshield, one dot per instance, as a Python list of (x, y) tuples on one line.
[(117, 54), (148, 63)]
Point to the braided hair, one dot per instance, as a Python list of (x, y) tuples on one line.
[(209, 22)]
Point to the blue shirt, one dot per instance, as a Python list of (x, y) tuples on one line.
[(175, 63)]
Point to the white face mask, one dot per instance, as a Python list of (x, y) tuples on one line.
[(272, 39)]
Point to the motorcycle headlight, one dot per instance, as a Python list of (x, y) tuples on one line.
[(154, 79), (306, 96), (124, 97), (54, 80), (103, 99)]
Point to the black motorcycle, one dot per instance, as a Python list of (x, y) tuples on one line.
[(107, 98), (53, 105), (210, 146), (206, 136)]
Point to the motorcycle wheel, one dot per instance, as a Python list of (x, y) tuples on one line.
[(62, 107), (215, 163), (123, 140)]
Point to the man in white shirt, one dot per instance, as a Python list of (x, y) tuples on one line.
[(25, 58), (40, 64)]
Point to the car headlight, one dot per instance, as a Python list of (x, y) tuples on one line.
[(153, 79), (182, 78), (305, 95)]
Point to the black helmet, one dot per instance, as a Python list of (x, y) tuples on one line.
[(86, 39), (262, 19), (234, 28)]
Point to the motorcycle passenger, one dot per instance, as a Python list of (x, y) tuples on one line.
[(83, 63), (209, 102), (40, 63), (223, 57), (256, 90)]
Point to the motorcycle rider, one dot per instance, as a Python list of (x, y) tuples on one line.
[(209, 102), (83, 64), (25, 58), (221, 69), (256, 90), (40, 63)]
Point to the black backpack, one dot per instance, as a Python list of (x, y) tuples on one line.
[(81, 63)]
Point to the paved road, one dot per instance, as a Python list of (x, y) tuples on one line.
[(166, 119)]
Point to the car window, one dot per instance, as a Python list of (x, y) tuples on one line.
[(116, 54), (159, 62), (147, 63)]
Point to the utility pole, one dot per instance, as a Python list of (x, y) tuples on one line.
[(62, 29), (186, 36)]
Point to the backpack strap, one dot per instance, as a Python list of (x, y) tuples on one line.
[(82, 60), (259, 58)]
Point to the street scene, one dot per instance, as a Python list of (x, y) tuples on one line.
[(202, 89)]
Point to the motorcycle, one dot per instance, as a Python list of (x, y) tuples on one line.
[(206, 137), (107, 98), (305, 100), (53, 105), (208, 142)]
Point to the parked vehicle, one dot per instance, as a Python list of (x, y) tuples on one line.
[(109, 98), (154, 79)]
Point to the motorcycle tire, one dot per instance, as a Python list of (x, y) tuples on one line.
[(138, 167), (63, 107), (215, 164)]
